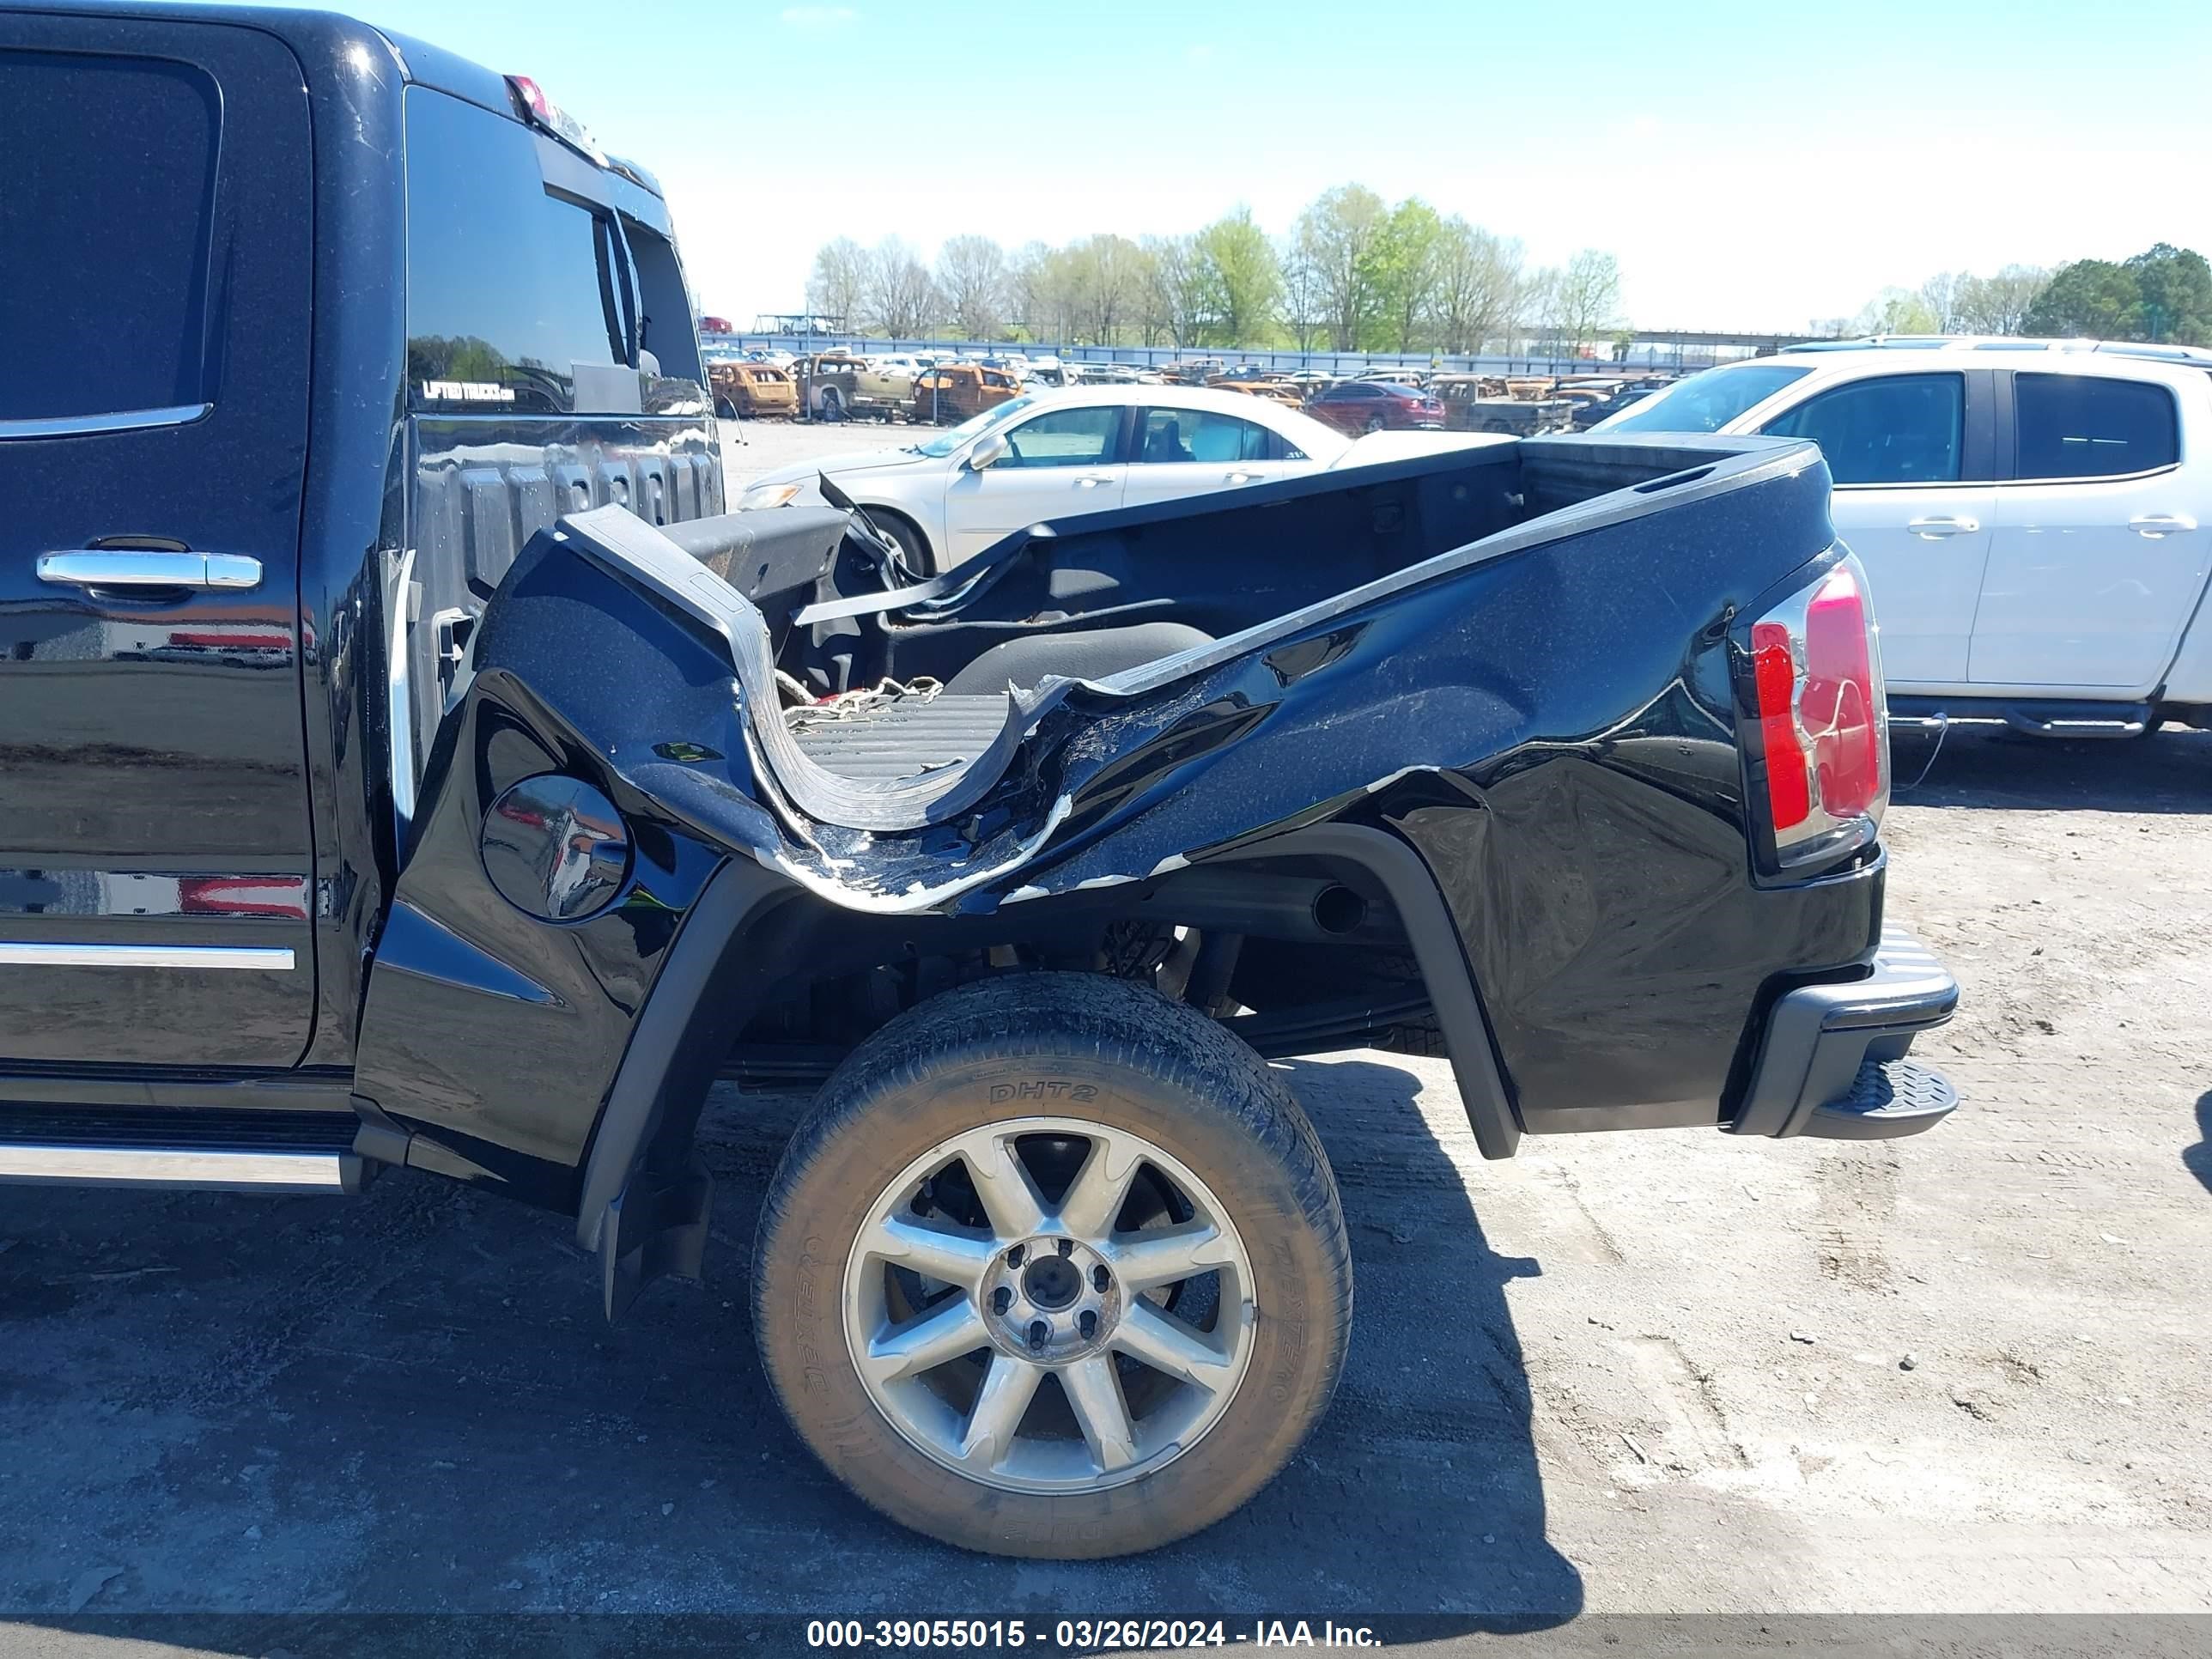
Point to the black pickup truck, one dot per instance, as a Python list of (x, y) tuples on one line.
[(407, 764)]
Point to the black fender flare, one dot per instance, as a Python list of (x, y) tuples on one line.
[(646, 1216), (643, 1201), (1435, 945)]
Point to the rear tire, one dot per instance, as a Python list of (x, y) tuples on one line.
[(1208, 1163), (1374, 423), (914, 546)]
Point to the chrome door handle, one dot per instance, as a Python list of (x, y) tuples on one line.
[(1934, 529), (2154, 524), (149, 568), (1242, 477), (1091, 481)]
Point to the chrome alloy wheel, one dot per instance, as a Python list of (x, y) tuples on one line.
[(1049, 1304)]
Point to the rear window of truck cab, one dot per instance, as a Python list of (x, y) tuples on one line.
[(521, 299)]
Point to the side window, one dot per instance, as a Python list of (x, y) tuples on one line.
[(1066, 437), (517, 298), (2080, 426), (1890, 429), (105, 223), (1189, 434), (664, 326)]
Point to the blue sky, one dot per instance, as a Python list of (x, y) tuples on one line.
[(1750, 166)]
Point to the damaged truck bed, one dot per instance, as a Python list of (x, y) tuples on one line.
[(1467, 742)]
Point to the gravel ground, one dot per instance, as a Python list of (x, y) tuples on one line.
[(752, 447), (1663, 1372)]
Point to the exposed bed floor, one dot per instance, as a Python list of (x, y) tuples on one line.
[(903, 738)]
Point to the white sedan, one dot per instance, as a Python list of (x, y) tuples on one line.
[(1056, 454)]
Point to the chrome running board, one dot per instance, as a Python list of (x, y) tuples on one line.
[(201, 1169)]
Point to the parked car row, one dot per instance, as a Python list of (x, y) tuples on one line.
[(1029, 455), (1373, 400), (2037, 532)]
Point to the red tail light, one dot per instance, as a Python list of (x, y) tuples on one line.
[(1774, 666), (1823, 718), (1843, 698)]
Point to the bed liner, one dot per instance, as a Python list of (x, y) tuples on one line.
[(863, 783), (902, 737)]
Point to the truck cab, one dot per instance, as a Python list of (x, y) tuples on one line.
[(310, 329)]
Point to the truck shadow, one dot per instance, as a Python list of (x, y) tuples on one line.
[(1426, 1465), (2197, 1159), (1989, 767), (242, 1422)]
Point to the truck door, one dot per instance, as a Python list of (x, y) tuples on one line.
[(156, 874), (1911, 457), (2101, 546)]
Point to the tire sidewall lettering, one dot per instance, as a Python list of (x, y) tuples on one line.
[(1042, 1091)]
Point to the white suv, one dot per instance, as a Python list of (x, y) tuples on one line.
[(2032, 514)]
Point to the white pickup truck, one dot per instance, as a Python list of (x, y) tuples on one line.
[(2035, 516)]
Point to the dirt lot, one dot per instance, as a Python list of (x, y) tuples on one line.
[(1669, 1372), (752, 447)]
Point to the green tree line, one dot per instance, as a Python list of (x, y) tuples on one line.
[(2161, 296), (1353, 273)]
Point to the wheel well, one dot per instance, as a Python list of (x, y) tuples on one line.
[(885, 516), (1359, 953), (772, 988)]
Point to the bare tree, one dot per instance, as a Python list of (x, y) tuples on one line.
[(1942, 294), (1895, 311), (1043, 283), (1536, 316), (1477, 284), (1106, 273), (1026, 287), (1338, 234), (971, 280), (1174, 295), (1999, 304), (1586, 299), (838, 286), (1305, 298), (902, 300)]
